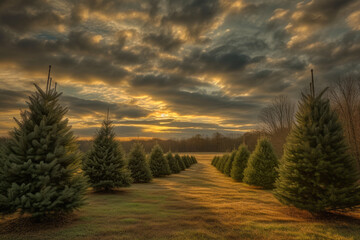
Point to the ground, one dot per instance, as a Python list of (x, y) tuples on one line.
[(199, 203)]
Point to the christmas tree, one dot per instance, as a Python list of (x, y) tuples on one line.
[(213, 160), (105, 165), (39, 172), (137, 164), (223, 162), (240, 163), (180, 162), (186, 161), (194, 160), (228, 164), (158, 163), (173, 163), (261, 168), (317, 173), (219, 163)]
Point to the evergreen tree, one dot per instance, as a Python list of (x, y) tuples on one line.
[(261, 169), (215, 160), (229, 162), (158, 163), (223, 162), (180, 162), (317, 173), (240, 163), (193, 158), (105, 165), (139, 167), (173, 163), (39, 174), (188, 158), (186, 162), (219, 163)]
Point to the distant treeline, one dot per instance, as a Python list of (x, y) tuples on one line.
[(198, 143)]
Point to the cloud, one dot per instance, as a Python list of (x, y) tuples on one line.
[(11, 100), (82, 107), (173, 67), (23, 15)]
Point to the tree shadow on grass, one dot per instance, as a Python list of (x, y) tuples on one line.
[(22, 224)]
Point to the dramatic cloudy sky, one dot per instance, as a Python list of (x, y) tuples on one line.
[(172, 68)]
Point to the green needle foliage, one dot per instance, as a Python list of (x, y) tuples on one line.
[(261, 169), (223, 162), (240, 163), (317, 173), (215, 160), (158, 163), (39, 172), (180, 162), (186, 161), (194, 160), (105, 164), (138, 166), (228, 164), (173, 163)]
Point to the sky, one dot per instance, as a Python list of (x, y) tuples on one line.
[(172, 68)]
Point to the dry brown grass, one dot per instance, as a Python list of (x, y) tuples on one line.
[(199, 203)]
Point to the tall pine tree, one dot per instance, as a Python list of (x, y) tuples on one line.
[(158, 163), (40, 167), (262, 165), (317, 173), (105, 165), (139, 167), (240, 163), (173, 163)]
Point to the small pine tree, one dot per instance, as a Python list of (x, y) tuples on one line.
[(185, 160), (228, 164), (223, 162), (158, 163), (215, 160), (173, 163), (180, 162), (105, 165), (188, 158), (317, 173), (240, 163), (261, 169), (39, 174), (139, 167), (193, 158), (219, 163)]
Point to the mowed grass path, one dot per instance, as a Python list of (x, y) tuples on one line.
[(199, 203)]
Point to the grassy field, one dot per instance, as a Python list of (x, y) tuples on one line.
[(199, 203)]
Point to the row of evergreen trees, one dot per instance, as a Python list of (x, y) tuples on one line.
[(316, 172), (107, 168), (257, 168), (40, 164)]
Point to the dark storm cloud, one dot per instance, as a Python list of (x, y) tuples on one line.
[(194, 101), (25, 15), (165, 82), (196, 16), (12, 100), (120, 131), (79, 107), (218, 60), (164, 40), (321, 12)]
